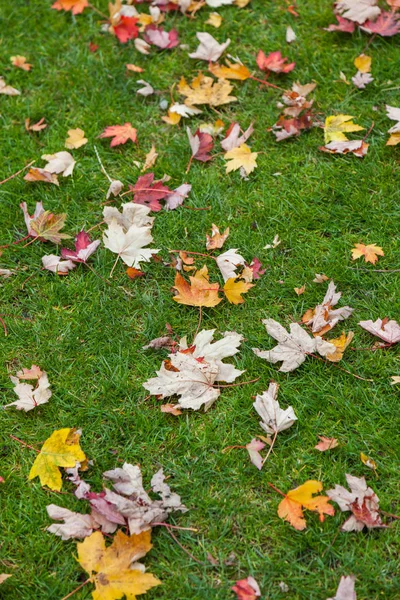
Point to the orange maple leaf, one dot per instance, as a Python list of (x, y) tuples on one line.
[(291, 507), (370, 252), (75, 6), (200, 292), (120, 134)]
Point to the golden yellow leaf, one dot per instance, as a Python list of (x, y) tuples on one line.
[(172, 118), (232, 71), (61, 449), (341, 344), (363, 63), (369, 252), (242, 3), (337, 125), (367, 461), (110, 567), (291, 507), (76, 138), (214, 19), (394, 139), (241, 157), (200, 292), (233, 290), (205, 90)]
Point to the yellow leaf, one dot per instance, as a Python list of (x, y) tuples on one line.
[(20, 62), (233, 290), (216, 239), (337, 125), (172, 118), (394, 139), (61, 449), (241, 157), (367, 461), (110, 567), (76, 139), (341, 344), (232, 71), (370, 252), (205, 90), (363, 63), (200, 292), (291, 508), (214, 19)]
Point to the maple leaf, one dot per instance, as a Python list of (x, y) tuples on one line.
[(20, 62), (253, 448), (120, 134), (84, 248), (176, 197), (35, 174), (241, 158), (148, 192), (216, 239), (53, 263), (274, 418), (361, 501), (358, 11), (114, 570), (228, 262), (201, 145), (192, 371), (10, 91), (388, 331), (75, 524), (274, 62), (126, 29), (394, 114), (386, 25), (61, 449), (151, 158), (369, 252), (363, 63), (294, 347), (337, 125), (235, 138), (326, 443), (287, 128), (343, 25), (209, 49), (4, 577), (132, 214), (75, 6), (162, 39), (247, 589), (60, 162), (214, 19), (76, 138), (130, 243), (233, 290), (28, 396), (199, 292), (205, 90), (341, 344), (346, 589), (47, 227), (291, 507), (357, 147), (36, 126), (230, 71), (115, 188), (322, 318)]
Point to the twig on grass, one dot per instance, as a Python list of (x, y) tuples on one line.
[(17, 173), (76, 590)]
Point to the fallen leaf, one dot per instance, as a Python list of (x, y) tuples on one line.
[(199, 292), (216, 239), (214, 19), (294, 347), (142, 46), (129, 243), (126, 29), (394, 114), (115, 188), (241, 157), (201, 145), (323, 317), (343, 25), (76, 138), (75, 525), (47, 227), (299, 291), (176, 197), (35, 174), (253, 448), (247, 589), (84, 248), (341, 344), (388, 331), (291, 507), (337, 125), (326, 443), (233, 290), (36, 126), (357, 147), (60, 162), (4, 576), (134, 68), (148, 192), (370, 252), (368, 462), (395, 380), (162, 39), (346, 589), (275, 243), (290, 35), (151, 158), (170, 409), (361, 501), (61, 449), (320, 278), (209, 49), (161, 342), (363, 63), (231, 71), (75, 6), (114, 570), (10, 91), (386, 25), (274, 62), (235, 137), (93, 47), (134, 273), (20, 62), (274, 418), (146, 90), (228, 262), (28, 396), (120, 134), (53, 263), (205, 90), (358, 11)]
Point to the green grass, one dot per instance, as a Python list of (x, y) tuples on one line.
[(88, 335)]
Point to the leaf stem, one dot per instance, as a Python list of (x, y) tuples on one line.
[(270, 448), (79, 586), (17, 173), (23, 443)]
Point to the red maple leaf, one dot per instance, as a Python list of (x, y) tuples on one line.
[(386, 25), (256, 267), (149, 192), (126, 29), (274, 62), (206, 145), (120, 133), (344, 25), (83, 248)]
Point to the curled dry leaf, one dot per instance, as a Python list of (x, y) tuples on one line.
[(7, 90), (36, 174), (36, 126), (60, 163), (216, 239), (84, 248), (274, 418), (209, 49), (234, 137), (201, 145), (388, 331), (146, 90), (368, 462), (346, 589), (253, 448), (53, 263), (291, 507), (115, 188), (30, 397), (361, 501), (323, 317), (326, 443), (247, 589), (20, 62), (228, 262)]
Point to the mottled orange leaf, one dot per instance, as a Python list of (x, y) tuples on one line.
[(326, 443), (369, 252), (199, 292), (291, 507)]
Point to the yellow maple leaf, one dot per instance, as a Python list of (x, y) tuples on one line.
[(232, 71), (241, 157), (368, 462), (369, 252), (363, 63), (110, 567), (394, 139), (337, 125), (200, 292), (205, 90), (341, 344), (291, 507), (214, 19), (76, 138), (233, 290), (172, 118), (61, 449)]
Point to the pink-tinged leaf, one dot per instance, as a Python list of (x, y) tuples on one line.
[(247, 589), (201, 145), (256, 267), (84, 248), (162, 39), (254, 448), (235, 138), (172, 409), (346, 589), (274, 62), (357, 147), (126, 29), (149, 192), (53, 263), (105, 508), (343, 25), (120, 134), (386, 25), (326, 443), (388, 331), (177, 197), (39, 210)]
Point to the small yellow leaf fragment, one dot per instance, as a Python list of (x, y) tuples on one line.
[(214, 19), (341, 344), (300, 290), (76, 139), (395, 380), (363, 63), (367, 461), (369, 252), (337, 125), (151, 158), (216, 239), (394, 139), (234, 289), (172, 118), (231, 71), (241, 157), (326, 443)]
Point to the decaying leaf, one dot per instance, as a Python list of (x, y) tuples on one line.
[(36, 174), (205, 90), (75, 525), (216, 239), (36, 126), (61, 449), (357, 147), (209, 49), (291, 507), (7, 90), (228, 262), (369, 252), (53, 263), (346, 589), (323, 317), (337, 125), (340, 344), (191, 372), (247, 589), (199, 292), (361, 501), (253, 448), (234, 137), (358, 11), (294, 347), (326, 443), (84, 248), (274, 418), (368, 462), (151, 158), (30, 397), (201, 145), (388, 331)]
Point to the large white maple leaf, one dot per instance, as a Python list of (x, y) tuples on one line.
[(358, 11), (209, 49), (129, 244)]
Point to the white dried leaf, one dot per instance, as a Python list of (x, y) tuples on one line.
[(394, 114), (142, 46), (346, 589), (146, 90), (388, 332), (184, 111), (177, 197), (235, 138), (115, 188), (7, 89), (28, 396), (209, 49), (361, 500), (290, 35), (129, 244), (55, 264), (76, 525), (358, 11), (132, 214), (274, 418), (228, 262), (361, 80), (60, 162), (324, 316)]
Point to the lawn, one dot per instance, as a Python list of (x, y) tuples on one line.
[(88, 333)]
